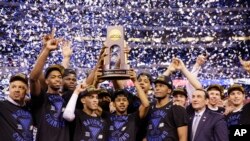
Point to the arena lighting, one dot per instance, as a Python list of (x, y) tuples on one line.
[(157, 40), (189, 39), (142, 40), (244, 38)]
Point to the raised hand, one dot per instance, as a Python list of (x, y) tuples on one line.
[(177, 64), (132, 74), (66, 48), (98, 74), (80, 88), (245, 64), (48, 37), (50, 42), (102, 55)]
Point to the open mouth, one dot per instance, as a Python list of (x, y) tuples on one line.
[(122, 107), (16, 95)]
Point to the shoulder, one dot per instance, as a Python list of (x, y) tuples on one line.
[(41, 95), (215, 115), (3, 103), (178, 108), (246, 106), (134, 114), (106, 115), (78, 111), (67, 94)]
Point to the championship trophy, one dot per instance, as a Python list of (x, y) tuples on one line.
[(115, 64)]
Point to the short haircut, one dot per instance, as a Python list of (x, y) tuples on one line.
[(51, 68), (68, 72), (120, 92), (203, 90), (146, 74)]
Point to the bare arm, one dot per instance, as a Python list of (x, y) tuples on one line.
[(179, 65), (97, 79), (200, 60), (90, 79), (143, 109), (182, 133), (50, 44), (66, 53), (35, 85)]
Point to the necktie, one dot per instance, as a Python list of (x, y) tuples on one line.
[(195, 125)]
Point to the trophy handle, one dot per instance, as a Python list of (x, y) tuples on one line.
[(126, 61)]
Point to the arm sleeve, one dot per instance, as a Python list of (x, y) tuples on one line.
[(69, 113), (180, 116)]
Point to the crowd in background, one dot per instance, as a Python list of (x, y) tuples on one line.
[(60, 109)]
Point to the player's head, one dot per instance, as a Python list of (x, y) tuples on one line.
[(18, 87), (53, 77), (180, 96), (163, 87), (89, 98), (69, 79), (121, 101), (145, 80), (236, 94)]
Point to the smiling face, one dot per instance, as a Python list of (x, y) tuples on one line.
[(121, 104), (237, 97), (54, 80), (180, 99), (90, 102), (214, 97), (18, 90)]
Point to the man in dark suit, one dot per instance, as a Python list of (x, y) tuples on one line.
[(204, 124)]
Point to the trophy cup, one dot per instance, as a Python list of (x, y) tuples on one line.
[(115, 52)]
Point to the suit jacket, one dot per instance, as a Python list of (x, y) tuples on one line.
[(212, 127)]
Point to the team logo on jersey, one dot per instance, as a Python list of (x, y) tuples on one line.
[(54, 117), (24, 120), (118, 128), (95, 128), (155, 127), (233, 120)]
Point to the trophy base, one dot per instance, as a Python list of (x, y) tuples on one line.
[(115, 74)]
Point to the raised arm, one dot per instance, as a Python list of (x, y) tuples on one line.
[(66, 53), (69, 112), (200, 60), (91, 77), (143, 109), (179, 65), (97, 80), (50, 43)]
